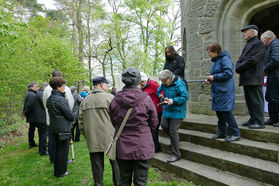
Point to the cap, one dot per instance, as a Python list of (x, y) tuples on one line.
[(250, 27), (131, 77), (100, 79), (143, 76)]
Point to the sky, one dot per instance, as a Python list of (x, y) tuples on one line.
[(48, 3)]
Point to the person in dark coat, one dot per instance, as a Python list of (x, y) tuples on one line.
[(61, 120), (40, 115), (28, 112), (135, 147), (78, 100), (251, 76), (150, 87), (271, 68), (174, 62), (222, 91), (174, 93)]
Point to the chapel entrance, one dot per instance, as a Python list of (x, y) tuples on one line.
[(267, 19)]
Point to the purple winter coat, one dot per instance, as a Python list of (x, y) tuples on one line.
[(135, 141)]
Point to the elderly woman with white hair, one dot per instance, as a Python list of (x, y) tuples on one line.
[(175, 97)]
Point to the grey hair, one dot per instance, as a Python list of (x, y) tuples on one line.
[(44, 85), (255, 32), (165, 74), (268, 34), (30, 85)]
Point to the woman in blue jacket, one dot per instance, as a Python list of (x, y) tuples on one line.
[(222, 91)]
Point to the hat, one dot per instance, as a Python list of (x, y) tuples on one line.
[(143, 76), (131, 77), (250, 27), (100, 79), (73, 88)]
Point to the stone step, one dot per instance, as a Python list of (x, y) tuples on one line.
[(246, 166), (201, 174), (209, 124), (261, 150)]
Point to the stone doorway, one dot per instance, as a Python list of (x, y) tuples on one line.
[(267, 20)]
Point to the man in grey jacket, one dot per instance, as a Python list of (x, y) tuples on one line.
[(95, 125), (271, 68), (46, 94)]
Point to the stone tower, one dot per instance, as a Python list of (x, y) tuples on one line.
[(207, 21)]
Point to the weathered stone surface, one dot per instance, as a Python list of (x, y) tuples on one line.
[(206, 25), (198, 3), (195, 14), (195, 54), (211, 8), (194, 25), (240, 108), (195, 41), (205, 99)]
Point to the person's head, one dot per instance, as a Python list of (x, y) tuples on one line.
[(250, 31), (58, 83), (101, 83), (131, 77), (166, 77), (86, 88), (214, 50), (33, 86), (44, 85), (267, 37), (170, 53), (73, 89), (56, 73), (143, 78)]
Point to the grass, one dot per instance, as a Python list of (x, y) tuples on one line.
[(20, 165)]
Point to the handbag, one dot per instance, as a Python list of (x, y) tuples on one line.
[(111, 150), (64, 136)]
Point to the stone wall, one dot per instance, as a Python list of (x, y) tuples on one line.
[(207, 21)]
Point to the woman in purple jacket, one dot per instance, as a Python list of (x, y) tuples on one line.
[(135, 146)]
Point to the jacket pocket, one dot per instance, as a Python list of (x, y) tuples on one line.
[(221, 87)]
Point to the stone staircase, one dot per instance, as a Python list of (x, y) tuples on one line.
[(254, 160)]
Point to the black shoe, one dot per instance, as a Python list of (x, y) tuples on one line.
[(247, 123), (34, 145), (65, 174), (276, 124), (269, 122), (232, 138), (256, 126), (218, 136)]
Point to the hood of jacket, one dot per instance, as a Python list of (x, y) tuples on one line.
[(221, 55), (129, 97)]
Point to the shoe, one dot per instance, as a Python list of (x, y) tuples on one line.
[(247, 123), (65, 174), (276, 124), (173, 159), (218, 136), (69, 161), (256, 126), (269, 122), (232, 138), (31, 146)]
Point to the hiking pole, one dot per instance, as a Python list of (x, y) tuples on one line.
[(195, 81), (72, 149)]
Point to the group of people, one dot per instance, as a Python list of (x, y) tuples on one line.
[(101, 114)]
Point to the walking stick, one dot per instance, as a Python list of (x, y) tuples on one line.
[(73, 152)]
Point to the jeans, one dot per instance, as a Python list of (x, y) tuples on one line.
[(225, 117)]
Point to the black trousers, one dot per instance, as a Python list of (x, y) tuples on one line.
[(273, 111), (42, 129), (50, 145), (272, 97), (255, 103), (61, 150), (75, 137), (31, 133), (155, 134), (97, 165), (133, 169), (224, 118)]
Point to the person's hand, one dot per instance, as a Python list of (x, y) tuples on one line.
[(161, 95), (73, 122), (207, 81), (169, 101)]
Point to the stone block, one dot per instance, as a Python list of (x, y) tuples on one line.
[(240, 108), (195, 41), (194, 107), (194, 25), (206, 25), (195, 54), (211, 8), (198, 3), (193, 97), (197, 13), (205, 99)]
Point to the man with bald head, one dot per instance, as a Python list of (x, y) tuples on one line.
[(271, 68)]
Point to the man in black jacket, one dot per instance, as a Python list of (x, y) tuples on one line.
[(40, 116), (250, 68), (28, 111), (271, 68)]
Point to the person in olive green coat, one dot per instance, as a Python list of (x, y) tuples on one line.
[(97, 129)]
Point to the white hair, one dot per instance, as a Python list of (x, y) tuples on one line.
[(268, 34), (255, 32), (165, 74)]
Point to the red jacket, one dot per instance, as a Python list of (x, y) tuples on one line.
[(151, 88)]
